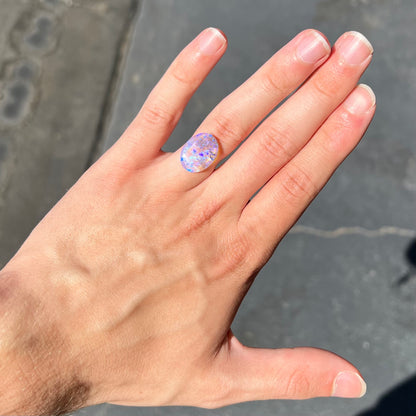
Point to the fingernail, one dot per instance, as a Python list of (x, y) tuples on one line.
[(354, 47), (360, 100), (210, 41), (349, 384), (313, 47)]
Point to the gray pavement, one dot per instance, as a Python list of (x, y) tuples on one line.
[(58, 59), (345, 278)]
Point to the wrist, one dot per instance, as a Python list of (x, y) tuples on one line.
[(17, 383), (35, 375)]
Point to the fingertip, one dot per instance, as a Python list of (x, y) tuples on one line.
[(370, 92), (361, 37), (220, 32), (322, 37), (211, 41), (313, 47), (349, 384), (361, 100), (354, 49)]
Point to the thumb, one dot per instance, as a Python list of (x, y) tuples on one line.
[(298, 373)]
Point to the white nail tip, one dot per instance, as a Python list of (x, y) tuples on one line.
[(360, 36), (370, 92)]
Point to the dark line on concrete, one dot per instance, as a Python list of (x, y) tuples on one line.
[(108, 102)]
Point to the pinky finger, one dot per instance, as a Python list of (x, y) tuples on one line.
[(282, 200)]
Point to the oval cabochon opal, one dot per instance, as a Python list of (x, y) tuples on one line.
[(199, 152)]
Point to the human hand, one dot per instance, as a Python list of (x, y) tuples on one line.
[(125, 292)]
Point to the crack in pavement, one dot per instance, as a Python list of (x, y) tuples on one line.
[(341, 231)]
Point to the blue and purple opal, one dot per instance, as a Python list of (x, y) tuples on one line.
[(199, 152)]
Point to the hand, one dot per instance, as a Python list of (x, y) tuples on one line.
[(125, 292)]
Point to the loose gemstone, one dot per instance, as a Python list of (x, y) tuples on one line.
[(199, 152)]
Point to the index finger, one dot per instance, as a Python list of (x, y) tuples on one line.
[(164, 106)]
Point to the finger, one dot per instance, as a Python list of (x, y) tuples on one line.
[(245, 374), (240, 112), (282, 200), (163, 108), (286, 131)]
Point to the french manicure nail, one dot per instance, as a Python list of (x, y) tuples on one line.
[(360, 100), (354, 47), (348, 384), (313, 47), (210, 41)]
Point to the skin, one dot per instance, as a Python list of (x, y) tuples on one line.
[(125, 292)]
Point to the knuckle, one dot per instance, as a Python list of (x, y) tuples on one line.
[(333, 134), (325, 87), (274, 81), (237, 251), (277, 144), (281, 74), (327, 135), (297, 185), (257, 253), (181, 74), (298, 385), (203, 212), (331, 84), (157, 114), (227, 128)]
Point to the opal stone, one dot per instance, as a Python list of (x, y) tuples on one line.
[(199, 152)]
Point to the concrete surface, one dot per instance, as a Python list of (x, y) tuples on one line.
[(345, 278), (57, 65)]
